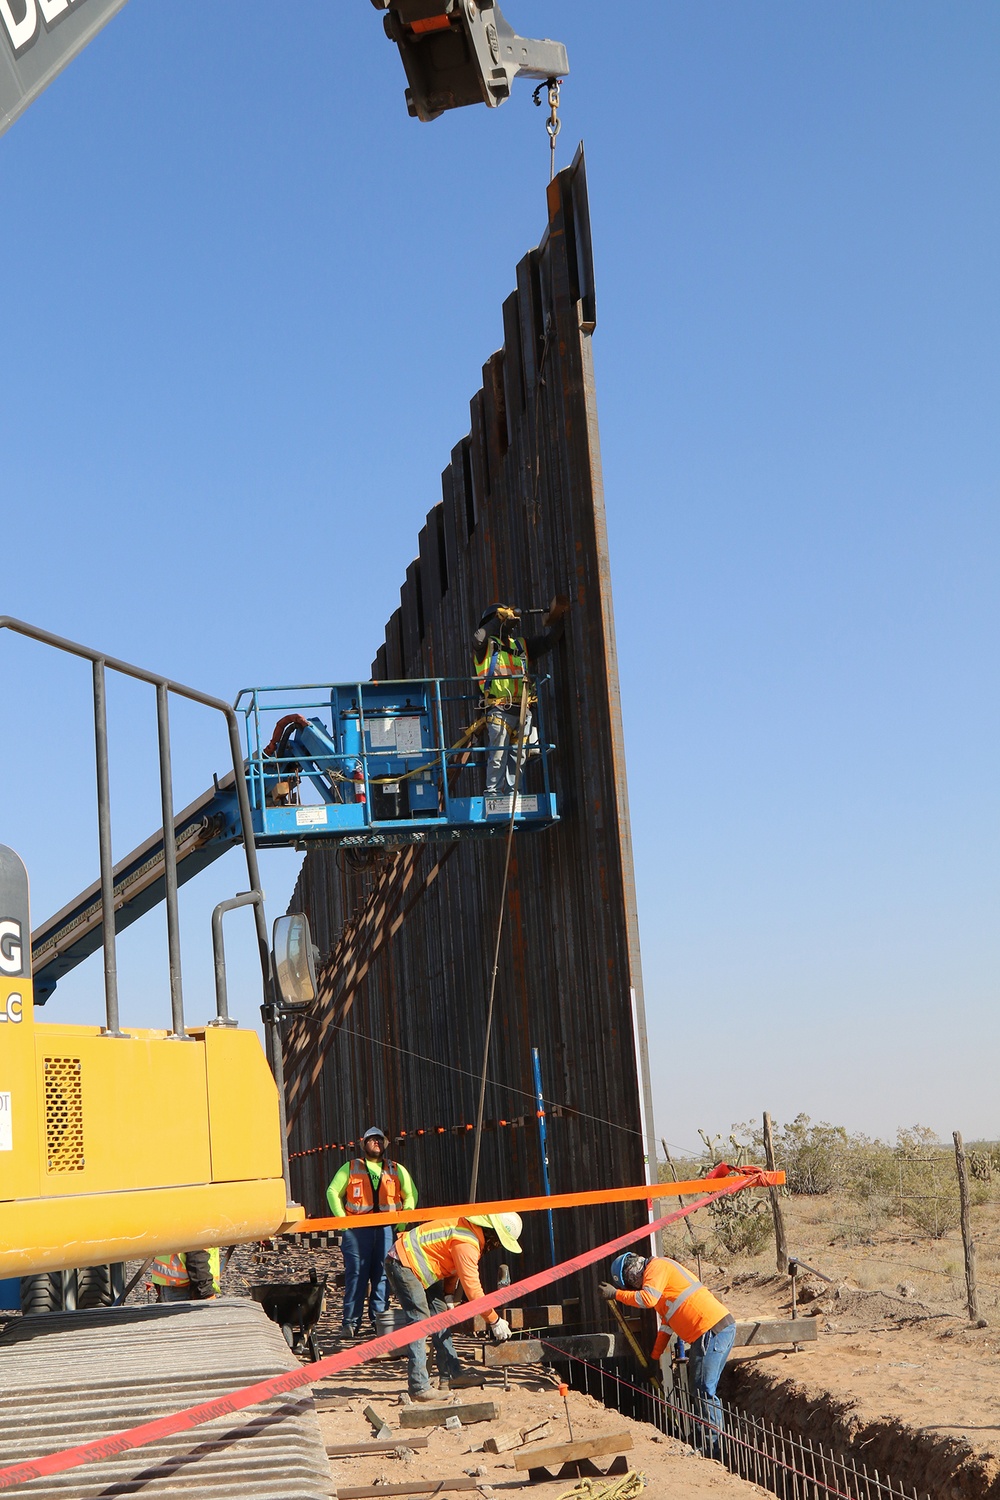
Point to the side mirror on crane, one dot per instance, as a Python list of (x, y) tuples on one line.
[(294, 962), (458, 52)]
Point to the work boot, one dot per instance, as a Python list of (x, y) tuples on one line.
[(427, 1395), (346, 1332)]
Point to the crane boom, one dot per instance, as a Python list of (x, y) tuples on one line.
[(37, 39), (455, 52)]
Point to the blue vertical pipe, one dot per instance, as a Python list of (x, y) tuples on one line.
[(544, 1141)]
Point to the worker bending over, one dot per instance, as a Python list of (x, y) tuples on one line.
[(686, 1307), (502, 656), (187, 1276), (427, 1266), (368, 1185)]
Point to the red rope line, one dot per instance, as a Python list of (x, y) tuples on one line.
[(263, 1390)]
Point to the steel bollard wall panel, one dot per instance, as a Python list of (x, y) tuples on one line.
[(408, 937)]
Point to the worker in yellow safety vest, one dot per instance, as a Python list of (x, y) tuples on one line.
[(426, 1267), (685, 1307), (367, 1186), (502, 657), (187, 1275)]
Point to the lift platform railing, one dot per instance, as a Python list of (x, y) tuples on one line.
[(101, 663), (385, 760), (437, 747)]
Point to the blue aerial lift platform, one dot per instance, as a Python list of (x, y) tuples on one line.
[(361, 765)]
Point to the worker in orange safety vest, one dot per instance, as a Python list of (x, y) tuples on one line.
[(685, 1307), (427, 1266), (187, 1276), (366, 1186)]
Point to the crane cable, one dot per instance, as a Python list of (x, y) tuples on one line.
[(480, 1109)]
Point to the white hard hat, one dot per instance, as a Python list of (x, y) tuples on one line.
[(507, 1227)]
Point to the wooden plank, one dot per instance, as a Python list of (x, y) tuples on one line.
[(776, 1331), (414, 1487), (562, 1453), (566, 1346), (436, 1416), (514, 1352), (350, 1450), (503, 1442)]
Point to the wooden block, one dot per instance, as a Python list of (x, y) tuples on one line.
[(542, 1317), (415, 1487), (514, 1352), (436, 1416), (503, 1442), (536, 1433), (564, 1453), (776, 1331), (521, 1318), (347, 1450)]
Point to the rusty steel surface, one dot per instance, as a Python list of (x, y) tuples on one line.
[(398, 1037)]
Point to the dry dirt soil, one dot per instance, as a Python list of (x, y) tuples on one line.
[(670, 1468), (897, 1376)]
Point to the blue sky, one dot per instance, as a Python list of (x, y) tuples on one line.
[(247, 300)]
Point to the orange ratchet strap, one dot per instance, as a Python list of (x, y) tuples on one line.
[(647, 1193)]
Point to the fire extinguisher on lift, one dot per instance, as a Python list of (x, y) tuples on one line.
[(358, 780)]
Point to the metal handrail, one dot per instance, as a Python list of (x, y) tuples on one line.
[(164, 686)]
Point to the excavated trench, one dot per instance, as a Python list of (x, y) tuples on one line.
[(905, 1458), (933, 1463)]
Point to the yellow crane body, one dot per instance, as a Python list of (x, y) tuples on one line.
[(118, 1147)]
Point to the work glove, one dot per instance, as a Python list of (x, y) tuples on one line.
[(503, 613), (500, 1331), (608, 1291)]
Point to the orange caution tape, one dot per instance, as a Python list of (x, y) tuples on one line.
[(263, 1390), (536, 1205)]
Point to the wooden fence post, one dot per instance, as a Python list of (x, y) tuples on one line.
[(968, 1242), (780, 1242), (680, 1200)]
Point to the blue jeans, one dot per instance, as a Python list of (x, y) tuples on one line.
[(364, 1252), (420, 1302), (501, 739), (706, 1358)]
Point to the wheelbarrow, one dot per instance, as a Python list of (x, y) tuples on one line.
[(296, 1306)]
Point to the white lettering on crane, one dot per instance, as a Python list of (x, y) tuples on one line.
[(20, 19), (6, 1130), (20, 31), (10, 933), (12, 1010)]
